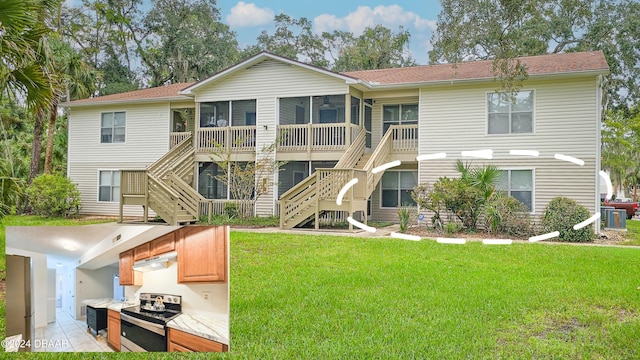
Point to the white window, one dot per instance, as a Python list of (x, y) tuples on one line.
[(109, 186), (406, 114), (112, 127), (397, 187), (519, 184), (510, 115)]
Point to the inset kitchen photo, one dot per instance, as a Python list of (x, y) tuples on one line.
[(114, 287)]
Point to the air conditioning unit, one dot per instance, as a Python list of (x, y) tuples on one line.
[(615, 219), (603, 213)]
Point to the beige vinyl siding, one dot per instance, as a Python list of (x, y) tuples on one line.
[(454, 119), (271, 78), (266, 117), (86, 177), (146, 140), (146, 134)]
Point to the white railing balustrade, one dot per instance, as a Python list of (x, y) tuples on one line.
[(228, 138)]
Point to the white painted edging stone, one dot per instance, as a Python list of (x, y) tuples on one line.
[(481, 154)]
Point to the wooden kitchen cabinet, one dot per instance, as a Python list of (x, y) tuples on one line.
[(202, 254), (163, 244), (185, 342), (127, 275), (142, 252), (113, 329)]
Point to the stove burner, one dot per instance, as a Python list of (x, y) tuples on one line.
[(172, 308)]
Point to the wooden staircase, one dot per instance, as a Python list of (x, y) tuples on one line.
[(165, 186), (317, 193)]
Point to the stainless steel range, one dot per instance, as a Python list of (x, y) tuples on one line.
[(144, 327)]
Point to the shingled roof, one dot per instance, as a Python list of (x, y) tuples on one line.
[(168, 92), (476, 70), (567, 63)]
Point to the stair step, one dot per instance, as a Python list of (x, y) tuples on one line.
[(362, 161)]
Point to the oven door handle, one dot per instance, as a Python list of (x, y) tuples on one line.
[(156, 328)]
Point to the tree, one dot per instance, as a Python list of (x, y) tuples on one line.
[(116, 78), (22, 29), (621, 147), (74, 79), (620, 141), (189, 41), (501, 30), (375, 48), (293, 39), (245, 180)]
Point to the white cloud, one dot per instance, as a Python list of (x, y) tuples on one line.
[(249, 15), (391, 16)]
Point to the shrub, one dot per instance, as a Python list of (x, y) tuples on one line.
[(404, 215), (452, 227), (463, 197), (53, 195), (504, 214), (460, 198), (230, 209), (426, 198), (561, 215)]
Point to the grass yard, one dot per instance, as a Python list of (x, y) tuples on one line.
[(298, 296), (633, 232)]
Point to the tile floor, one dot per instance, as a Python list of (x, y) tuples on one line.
[(68, 334)]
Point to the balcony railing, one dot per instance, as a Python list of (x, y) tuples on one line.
[(176, 138), (229, 138), (294, 138), (405, 138), (316, 137)]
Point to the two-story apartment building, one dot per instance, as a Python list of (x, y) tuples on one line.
[(153, 147)]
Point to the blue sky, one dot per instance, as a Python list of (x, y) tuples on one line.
[(249, 18)]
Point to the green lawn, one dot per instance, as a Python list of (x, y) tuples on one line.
[(297, 296), (633, 232), (332, 297)]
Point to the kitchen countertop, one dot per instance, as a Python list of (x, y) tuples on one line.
[(108, 303), (117, 306), (208, 328), (98, 303)]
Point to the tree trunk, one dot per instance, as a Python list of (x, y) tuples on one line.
[(48, 155), (36, 149)]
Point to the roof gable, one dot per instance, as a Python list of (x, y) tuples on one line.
[(263, 56)]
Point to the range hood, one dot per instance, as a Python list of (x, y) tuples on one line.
[(159, 262)]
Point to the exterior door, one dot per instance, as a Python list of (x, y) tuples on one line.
[(367, 121)]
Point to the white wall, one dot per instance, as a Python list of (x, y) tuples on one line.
[(93, 284), (39, 284), (166, 282)]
